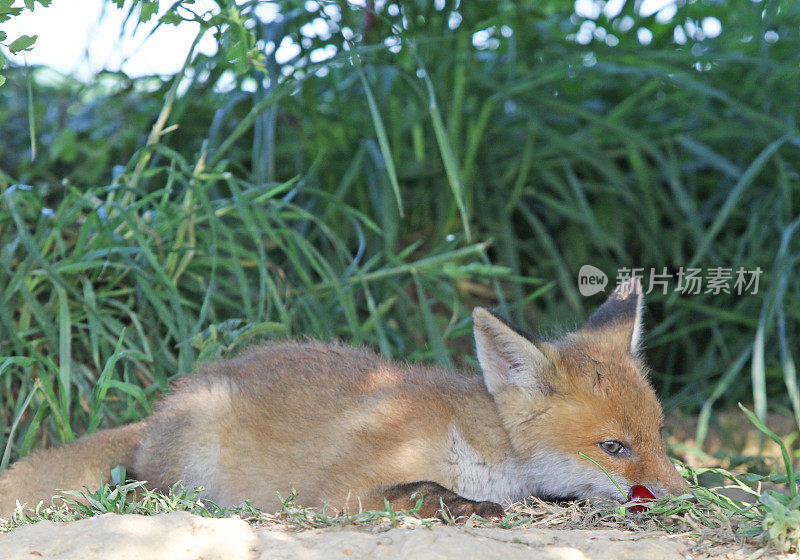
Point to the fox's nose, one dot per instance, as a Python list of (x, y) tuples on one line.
[(665, 480), (677, 487)]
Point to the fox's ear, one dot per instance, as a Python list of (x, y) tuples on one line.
[(508, 359), (619, 319)]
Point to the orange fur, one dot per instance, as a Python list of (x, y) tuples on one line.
[(344, 427), (84, 462)]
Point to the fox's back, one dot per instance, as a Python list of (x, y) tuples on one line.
[(320, 418), (335, 423)]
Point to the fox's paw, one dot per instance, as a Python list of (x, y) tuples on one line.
[(440, 502), (462, 509)]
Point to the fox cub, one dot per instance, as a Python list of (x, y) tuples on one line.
[(344, 427)]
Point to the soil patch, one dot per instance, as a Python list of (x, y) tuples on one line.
[(180, 535)]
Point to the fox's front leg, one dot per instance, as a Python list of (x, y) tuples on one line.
[(434, 496)]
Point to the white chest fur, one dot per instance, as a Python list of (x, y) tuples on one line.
[(507, 481)]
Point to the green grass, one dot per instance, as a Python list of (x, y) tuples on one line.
[(768, 518), (771, 521), (379, 201), (116, 294)]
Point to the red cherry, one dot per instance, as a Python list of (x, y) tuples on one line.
[(639, 494)]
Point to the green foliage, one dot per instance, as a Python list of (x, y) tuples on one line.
[(787, 461), (22, 43), (7, 11), (773, 519), (318, 518), (133, 497), (437, 158), (781, 521), (129, 497), (147, 10), (114, 289)]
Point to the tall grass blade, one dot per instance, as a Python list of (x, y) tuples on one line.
[(787, 460), (446, 151), (383, 139)]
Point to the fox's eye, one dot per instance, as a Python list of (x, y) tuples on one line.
[(614, 448)]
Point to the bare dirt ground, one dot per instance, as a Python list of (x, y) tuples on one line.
[(179, 536)]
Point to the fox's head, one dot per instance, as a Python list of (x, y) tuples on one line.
[(586, 392)]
